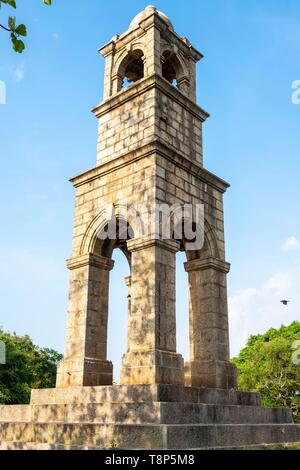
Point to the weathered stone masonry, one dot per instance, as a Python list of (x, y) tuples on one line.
[(149, 151)]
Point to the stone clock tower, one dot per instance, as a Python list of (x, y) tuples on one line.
[(149, 152), (149, 155)]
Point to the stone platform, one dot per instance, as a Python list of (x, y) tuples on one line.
[(143, 417)]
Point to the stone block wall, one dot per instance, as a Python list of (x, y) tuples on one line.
[(152, 109)]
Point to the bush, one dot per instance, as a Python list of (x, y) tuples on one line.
[(265, 365), (27, 366)]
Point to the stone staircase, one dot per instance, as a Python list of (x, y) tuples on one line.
[(143, 417)]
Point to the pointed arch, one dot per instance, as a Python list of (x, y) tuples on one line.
[(174, 69), (129, 66), (133, 49), (125, 228), (210, 247)]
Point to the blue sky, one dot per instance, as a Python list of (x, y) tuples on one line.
[(47, 134)]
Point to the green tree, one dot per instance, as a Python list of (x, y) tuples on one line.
[(16, 30), (27, 366), (268, 364)]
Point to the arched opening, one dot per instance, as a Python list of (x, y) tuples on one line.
[(182, 307), (131, 69), (184, 282), (118, 312), (116, 236), (171, 68), (111, 243)]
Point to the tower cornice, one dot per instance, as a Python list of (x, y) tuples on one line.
[(120, 41), (144, 85), (155, 147)]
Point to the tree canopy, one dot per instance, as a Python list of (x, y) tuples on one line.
[(270, 364), (16, 30), (27, 366)]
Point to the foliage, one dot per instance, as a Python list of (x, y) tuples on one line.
[(16, 31), (114, 445), (267, 365), (27, 366)]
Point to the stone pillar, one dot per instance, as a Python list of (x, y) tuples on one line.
[(107, 76), (108, 51), (152, 49), (151, 355), (85, 363), (193, 83), (117, 82), (183, 85), (209, 364)]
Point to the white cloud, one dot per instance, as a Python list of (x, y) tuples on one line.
[(19, 72), (279, 284), (255, 310), (55, 36), (292, 243)]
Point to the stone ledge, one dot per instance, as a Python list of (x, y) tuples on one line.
[(152, 436), (152, 148), (144, 85), (90, 259), (207, 263), (145, 413), (142, 394)]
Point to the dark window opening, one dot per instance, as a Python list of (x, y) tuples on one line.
[(170, 68), (133, 69)]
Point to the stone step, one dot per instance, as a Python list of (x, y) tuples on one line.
[(149, 436), (140, 413), (19, 445), (143, 393), (187, 413)]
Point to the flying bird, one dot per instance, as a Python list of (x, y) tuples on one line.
[(285, 302)]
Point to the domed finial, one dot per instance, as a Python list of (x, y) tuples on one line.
[(150, 8), (147, 12)]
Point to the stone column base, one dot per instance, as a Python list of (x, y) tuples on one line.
[(211, 374), (84, 372), (152, 367)]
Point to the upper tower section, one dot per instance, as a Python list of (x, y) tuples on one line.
[(150, 90), (150, 46)]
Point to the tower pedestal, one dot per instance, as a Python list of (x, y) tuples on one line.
[(152, 367), (82, 373), (211, 374), (142, 417)]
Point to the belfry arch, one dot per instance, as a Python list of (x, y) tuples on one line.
[(174, 70), (88, 306), (131, 68)]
